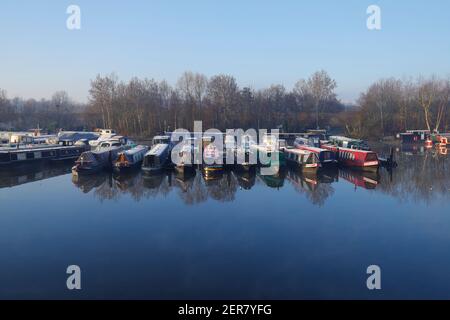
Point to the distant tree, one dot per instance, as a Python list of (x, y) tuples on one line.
[(319, 88)]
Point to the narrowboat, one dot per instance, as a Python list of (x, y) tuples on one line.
[(32, 153), (327, 158), (303, 159), (355, 158), (344, 142), (130, 159), (415, 136), (156, 159), (91, 162)]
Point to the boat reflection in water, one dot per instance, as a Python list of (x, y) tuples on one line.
[(419, 176), (246, 178), (363, 179), (31, 172)]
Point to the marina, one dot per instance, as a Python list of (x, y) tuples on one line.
[(284, 231)]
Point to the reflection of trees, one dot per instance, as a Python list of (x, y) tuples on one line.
[(191, 189), (309, 184), (223, 188), (422, 176)]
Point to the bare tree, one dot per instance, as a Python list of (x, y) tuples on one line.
[(320, 87)]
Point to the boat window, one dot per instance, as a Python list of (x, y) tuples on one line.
[(371, 157), (4, 157)]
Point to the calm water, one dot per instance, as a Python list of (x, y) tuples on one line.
[(241, 236)]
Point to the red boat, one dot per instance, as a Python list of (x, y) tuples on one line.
[(358, 159)]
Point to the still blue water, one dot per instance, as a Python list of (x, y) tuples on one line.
[(242, 236)]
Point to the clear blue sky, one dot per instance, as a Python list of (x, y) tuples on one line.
[(259, 42)]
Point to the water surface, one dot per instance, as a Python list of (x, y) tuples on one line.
[(241, 236)]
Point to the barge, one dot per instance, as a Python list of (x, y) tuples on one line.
[(29, 153)]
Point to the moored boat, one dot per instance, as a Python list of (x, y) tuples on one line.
[(355, 158), (156, 159), (22, 154), (130, 159), (327, 158), (345, 142), (91, 162), (303, 159)]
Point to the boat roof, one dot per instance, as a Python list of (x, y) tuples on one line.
[(342, 138), (157, 150), (136, 149), (315, 149), (297, 151), (34, 149), (161, 137)]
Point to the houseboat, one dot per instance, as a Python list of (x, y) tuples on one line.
[(355, 158), (91, 162), (77, 136), (327, 158), (415, 136), (344, 142), (157, 158), (303, 159), (21, 154), (130, 159)]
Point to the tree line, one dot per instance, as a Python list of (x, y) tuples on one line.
[(144, 107)]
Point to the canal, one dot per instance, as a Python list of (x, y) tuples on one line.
[(240, 236)]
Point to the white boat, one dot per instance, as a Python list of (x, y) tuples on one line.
[(116, 141), (104, 135)]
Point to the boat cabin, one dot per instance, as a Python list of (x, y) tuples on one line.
[(413, 136), (161, 140), (344, 142), (302, 158)]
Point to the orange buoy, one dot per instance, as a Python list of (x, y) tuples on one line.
[(428, 143)]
